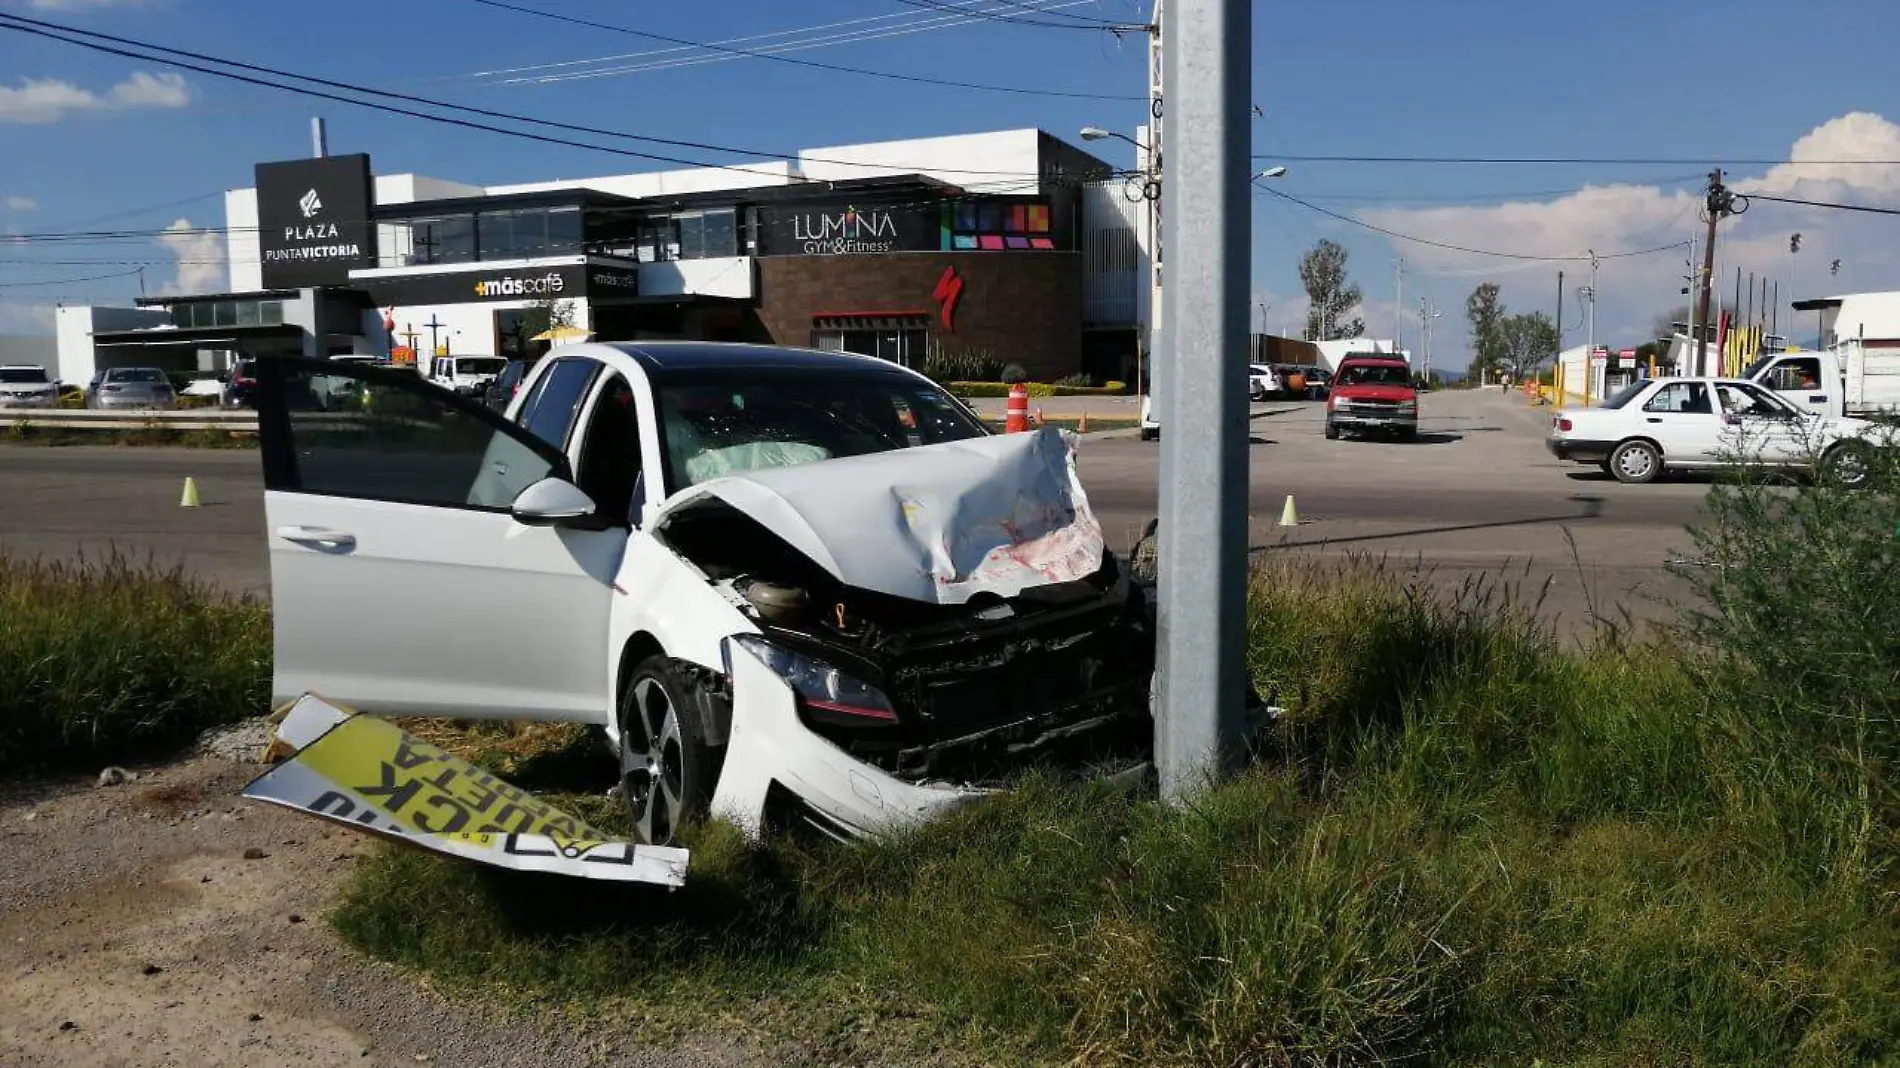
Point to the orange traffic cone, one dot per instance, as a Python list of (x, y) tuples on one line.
[(1038, 416), (1082, 425)]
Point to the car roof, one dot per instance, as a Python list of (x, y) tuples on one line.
[(666, 356), (1392, 361)]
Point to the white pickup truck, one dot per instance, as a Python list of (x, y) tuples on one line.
[(1653, 426), (468, 375), (792, 587), (1849, 379)]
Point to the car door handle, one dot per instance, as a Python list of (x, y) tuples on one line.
[(318, 536), (1817, 398), (1654, 419)]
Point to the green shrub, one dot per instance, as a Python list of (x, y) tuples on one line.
[(113, 659), (975, 364), (1080, 379), (1014, 373), (1462, 843)]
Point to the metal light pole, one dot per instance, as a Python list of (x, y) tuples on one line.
[(1200, 676)]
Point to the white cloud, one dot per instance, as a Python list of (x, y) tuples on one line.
[(28, 318), (1618, 218), (18, 203), (42, 100), (200, 257)]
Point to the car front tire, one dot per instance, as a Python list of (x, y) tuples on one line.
[(668, 766), (1332, 432), (1149, 433), (1636, 462), (1848, 465)]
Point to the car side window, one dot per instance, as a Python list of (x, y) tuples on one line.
[(1797, 374), (1681, 398), (549, 414), (609, 463), (358, 432)]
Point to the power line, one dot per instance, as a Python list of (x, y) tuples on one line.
[(911, 24), (812, 63), (1527, 194), (1091, 25), (71, 281), (40, 28), (1605, 161), (1821, 204), (1460, 248)]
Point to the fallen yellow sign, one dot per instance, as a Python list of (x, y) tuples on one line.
[(369, 774)]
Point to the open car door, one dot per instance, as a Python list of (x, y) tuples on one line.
[(402, 581)]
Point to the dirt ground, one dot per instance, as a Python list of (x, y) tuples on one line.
[(168, 921)]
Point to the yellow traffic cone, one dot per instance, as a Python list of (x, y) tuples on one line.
[(1289, 517), (190, 499), (1082, 425)]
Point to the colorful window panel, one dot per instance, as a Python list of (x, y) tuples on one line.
[(997, 226)]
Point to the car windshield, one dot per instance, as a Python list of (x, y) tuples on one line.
[(19, 375), (1373, 374), (1626, 394), (136, 374), (479, 365), (724, 422)]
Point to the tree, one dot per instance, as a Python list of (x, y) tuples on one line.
[(1485, 312), (1330, 296), (546, 314), (1525, 341)]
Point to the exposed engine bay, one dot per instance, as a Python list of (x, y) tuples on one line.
[(1055, 676)]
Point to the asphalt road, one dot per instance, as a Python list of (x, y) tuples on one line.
[(1476, 496)]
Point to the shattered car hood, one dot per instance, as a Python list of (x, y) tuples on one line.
[(936, 523)]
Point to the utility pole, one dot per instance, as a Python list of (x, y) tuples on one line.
[(1200, 671), (1560, 327), (1398, 305), (1590, 374), (1718, 203)]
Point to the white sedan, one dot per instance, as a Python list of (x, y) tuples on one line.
[(1668, 424), (1262, 381), (793, 587)]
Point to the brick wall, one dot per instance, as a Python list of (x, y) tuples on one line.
[(1026, 307)]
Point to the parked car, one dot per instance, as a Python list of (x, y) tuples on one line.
[(468, 375), (506, 385), (694, 547), (27, 386), (1671, 424), (240, 386), (1262, 381), (118, 388), (1372, 395), (1319, 382)]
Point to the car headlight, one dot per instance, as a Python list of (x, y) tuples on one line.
[(826, 694)]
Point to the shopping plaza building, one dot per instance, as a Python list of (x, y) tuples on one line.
[(1012, 244)]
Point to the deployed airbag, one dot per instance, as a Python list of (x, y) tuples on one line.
[(936, 523)]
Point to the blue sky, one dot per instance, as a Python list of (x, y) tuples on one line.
[(86, 136)]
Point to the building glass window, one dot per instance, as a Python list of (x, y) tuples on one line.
[(247, 313), (224, 313), (705, 235), (904, 345), (441, 239), (508, 235), (270, 313)]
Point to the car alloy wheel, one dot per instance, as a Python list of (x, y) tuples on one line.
[(667, 766), (1635, 462), (1848, 465)]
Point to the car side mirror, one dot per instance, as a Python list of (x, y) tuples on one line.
[(553, 502)]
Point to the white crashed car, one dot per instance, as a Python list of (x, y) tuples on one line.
[(793, 587)]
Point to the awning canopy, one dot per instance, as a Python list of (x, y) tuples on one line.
[(196, 336)]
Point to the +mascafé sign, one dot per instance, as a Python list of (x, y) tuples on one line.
[(313, 221)]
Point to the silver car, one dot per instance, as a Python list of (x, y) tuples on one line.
[(27, 386), (130, 387)]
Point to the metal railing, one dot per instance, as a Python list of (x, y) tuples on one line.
[(240, 421)]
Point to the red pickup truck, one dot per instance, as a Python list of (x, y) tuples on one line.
[(1372, 394)]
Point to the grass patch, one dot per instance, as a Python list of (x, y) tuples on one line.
[(1464, 843), (113, 659), (27, 434)]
